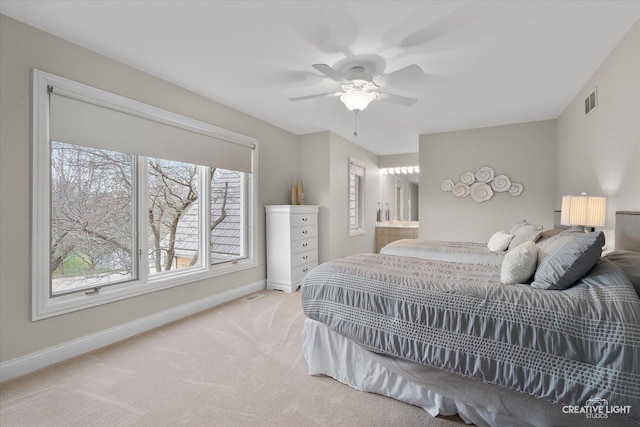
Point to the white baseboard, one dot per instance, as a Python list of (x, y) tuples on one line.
[(31, 362)]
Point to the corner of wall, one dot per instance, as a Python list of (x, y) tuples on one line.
[(599, 153)]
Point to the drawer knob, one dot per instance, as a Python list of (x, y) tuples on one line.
[(305, 257), (305, 270), (304, 232), (304, 245), (304, 219)]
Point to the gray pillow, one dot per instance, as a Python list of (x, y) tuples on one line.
[(629, 262), (524, 232), (547, 234), (565, 258)]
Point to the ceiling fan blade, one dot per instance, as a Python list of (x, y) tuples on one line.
[(330, 72), (320, 95), (397, 99), (406, 72)]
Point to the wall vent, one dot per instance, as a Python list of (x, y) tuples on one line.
[(591, 102)]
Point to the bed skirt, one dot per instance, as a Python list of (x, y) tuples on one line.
[(437, 392)]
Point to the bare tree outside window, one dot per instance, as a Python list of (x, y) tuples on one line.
[(226, 222), (172, 191), (227, 219), (91, 217), (93, 210)]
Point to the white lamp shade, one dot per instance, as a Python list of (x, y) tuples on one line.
[(588, 211), (357, 100)]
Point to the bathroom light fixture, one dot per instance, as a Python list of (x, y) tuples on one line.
[(588, 211), (406, 170)]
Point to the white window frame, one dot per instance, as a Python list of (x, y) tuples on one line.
[(45, 306), (359, 169)]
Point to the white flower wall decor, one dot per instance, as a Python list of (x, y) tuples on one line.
[(481, 185)]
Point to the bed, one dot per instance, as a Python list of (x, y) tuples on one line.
[(437, 250), (490, 253), (447, 337)]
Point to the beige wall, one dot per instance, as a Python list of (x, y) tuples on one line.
[(314, 163), (324, 160), (524, 152), (394, 160), (341, 243), (24, 48), (600, 153)]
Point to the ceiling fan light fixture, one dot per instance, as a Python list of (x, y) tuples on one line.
[(357, 100)]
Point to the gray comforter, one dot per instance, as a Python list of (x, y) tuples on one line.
[(564, 346), (436, 250)]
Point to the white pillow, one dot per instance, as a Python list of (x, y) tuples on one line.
[(519, 264), (499, 242)]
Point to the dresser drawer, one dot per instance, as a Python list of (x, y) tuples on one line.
[(304, 258), (300, 271), (301, 220), (299, 233), (304, 245)]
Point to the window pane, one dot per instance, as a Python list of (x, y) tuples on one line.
[(91, 217), (228, 215), (173, 216)]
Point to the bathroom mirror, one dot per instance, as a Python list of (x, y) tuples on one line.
[(399, 196)]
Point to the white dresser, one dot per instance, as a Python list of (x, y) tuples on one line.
[(292, 244)]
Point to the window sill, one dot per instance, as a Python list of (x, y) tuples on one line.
[(45, 307)]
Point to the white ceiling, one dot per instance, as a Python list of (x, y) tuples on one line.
[(485, 63)]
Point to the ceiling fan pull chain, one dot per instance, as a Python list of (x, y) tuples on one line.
[(355, 133)]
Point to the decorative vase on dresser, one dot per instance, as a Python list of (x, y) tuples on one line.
[(292, 244)]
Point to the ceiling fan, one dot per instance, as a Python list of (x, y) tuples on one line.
[(359, 89)]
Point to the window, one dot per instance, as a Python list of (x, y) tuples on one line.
[(228, 201), (130, 199), (173, 227), (356, 196), (92, 211)]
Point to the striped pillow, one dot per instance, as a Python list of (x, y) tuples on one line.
[(565, 258), (524, 232)]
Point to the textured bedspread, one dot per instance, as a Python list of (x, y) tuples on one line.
[(468, 252), (564, 346)]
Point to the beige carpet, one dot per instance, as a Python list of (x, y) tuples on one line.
[(239, 364)]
